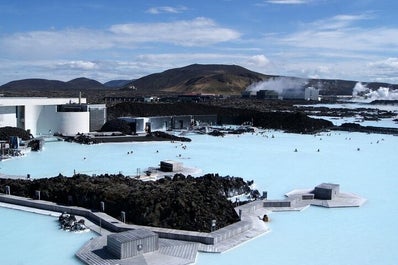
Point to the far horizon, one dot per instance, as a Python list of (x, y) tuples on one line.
[(112, 80), (104, 40)]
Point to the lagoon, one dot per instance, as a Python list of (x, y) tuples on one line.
[(363, 235), (28, 238)]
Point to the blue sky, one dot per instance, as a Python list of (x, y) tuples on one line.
[(124, 39)]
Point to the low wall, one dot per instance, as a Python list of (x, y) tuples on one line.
[(277, 203), (112, 224), (231, 230)]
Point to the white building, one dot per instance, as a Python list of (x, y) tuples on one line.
[(46, 116), (311, 93), (164, 123)]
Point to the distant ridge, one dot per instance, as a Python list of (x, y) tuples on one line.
[(35, 84), (117, 83), (230, 80), (191, 79)]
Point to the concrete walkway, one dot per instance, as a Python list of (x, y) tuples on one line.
[(174, 250), (177, 252)]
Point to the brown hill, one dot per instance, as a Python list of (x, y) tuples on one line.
[(198, 78)]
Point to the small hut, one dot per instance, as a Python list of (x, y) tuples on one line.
[(170, 166), (326, 191), (132, 243)]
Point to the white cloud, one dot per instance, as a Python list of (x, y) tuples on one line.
[(365, 69), (196, 32), (258, 60), (385, 70), (80, 65), (166, 9), (339, 34), (389, 63), (338, 47), (48, 44), (338, 21), (53, 43)]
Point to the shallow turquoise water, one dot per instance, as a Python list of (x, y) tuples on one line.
[(27, 238), (314, 236)]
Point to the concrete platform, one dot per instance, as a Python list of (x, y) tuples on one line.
[(178, 252), (300, 199), (171, 252), (180, 247), (156, 173), (342, 199)]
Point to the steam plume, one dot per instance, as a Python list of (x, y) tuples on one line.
[(361, 91), (278, 84)]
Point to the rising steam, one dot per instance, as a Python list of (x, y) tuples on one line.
[(278, 84), (361, 91)]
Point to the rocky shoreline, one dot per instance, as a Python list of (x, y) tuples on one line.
[(91, 138), (353, 127), (68, 222)]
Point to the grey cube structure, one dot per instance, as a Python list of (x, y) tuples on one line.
[(132, 243), (326, 191), (170, 166)]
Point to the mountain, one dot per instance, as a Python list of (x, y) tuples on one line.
[(198, 78), (33, 84), (195, 78), (52, 85), (117, 83), (83, 83), (233, 80)]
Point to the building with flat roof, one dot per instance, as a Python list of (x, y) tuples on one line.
[(326, 191), (46, 116), (170, 166), (164, 123), (311, 93), (132, 243)]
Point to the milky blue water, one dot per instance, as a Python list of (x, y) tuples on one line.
[(356, 236), (27, 238)]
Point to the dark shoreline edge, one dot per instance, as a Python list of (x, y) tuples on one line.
[(354, 127)]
